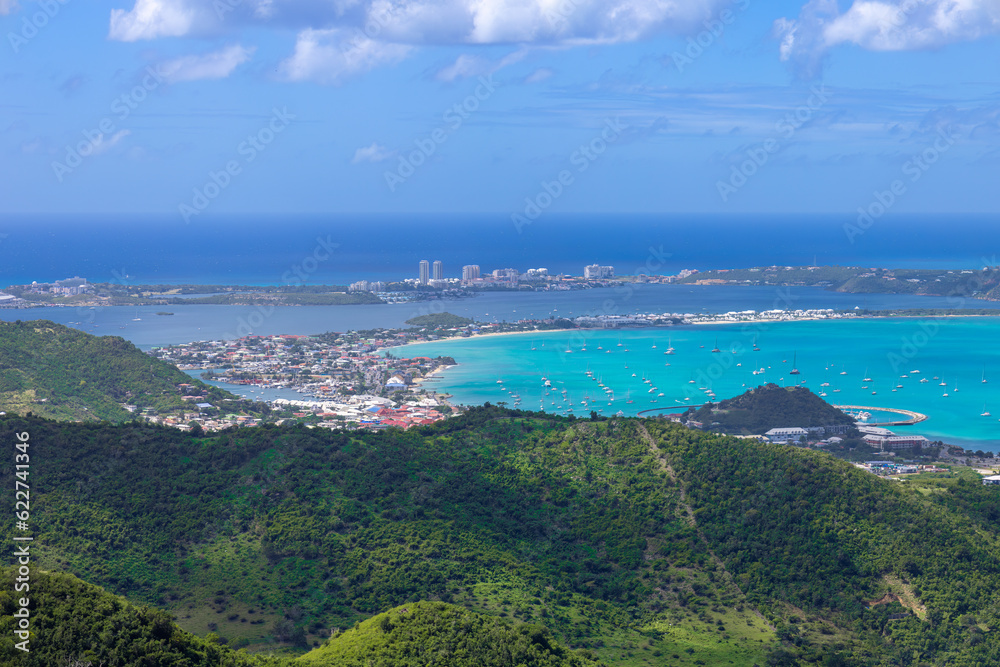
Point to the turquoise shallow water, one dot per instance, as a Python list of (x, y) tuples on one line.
[(957, 351)]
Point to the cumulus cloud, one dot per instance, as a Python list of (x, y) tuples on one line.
[(338, 38), (215, 65), (329, 56), (417, 22), (373, 153), (150, 19), (877, 25)]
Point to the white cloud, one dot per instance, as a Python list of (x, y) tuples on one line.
[(7, 6), (373, 153), (215, 65), (464, 67), (418, 22), (150, 19), (337, 38), (100, 145), (896, 25), (539, 75), (330, 56)]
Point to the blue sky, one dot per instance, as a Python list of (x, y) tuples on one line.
[(203, 107)]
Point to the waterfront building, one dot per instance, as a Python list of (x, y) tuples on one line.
[(785, 434), (425, 271), (598, 272), (508, 275), (894, 442), (438, 270), (470, 272), (366, 286)]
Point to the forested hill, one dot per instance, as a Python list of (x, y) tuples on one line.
[(768, 406), (58, 372), (633, 542), (75, 624)]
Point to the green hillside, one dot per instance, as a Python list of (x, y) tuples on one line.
[(639, 541), (58, 372), (76, 624), (426, 633), (768, 406), (436, 320)]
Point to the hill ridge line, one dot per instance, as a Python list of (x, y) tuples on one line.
[(661, 458)]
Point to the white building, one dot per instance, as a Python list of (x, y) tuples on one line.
[(892, 442), (787, 433), (991, 480), (598, 272)]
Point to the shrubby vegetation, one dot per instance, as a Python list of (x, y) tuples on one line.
[(984, 284), (56, 371), (435, 633), (768, 406), (636, 540), (434, 320), (76, 624)]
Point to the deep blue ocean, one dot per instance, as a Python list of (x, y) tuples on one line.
[(280, 250)]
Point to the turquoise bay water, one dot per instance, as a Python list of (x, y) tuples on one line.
[(956, 351)]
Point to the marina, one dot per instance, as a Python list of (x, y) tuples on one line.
[(694, 375)]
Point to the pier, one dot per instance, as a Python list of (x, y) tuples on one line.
[(912, 417)]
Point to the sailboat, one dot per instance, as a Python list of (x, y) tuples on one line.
[(794, 371), (866, 378), (137, 318), (670, 348), (985, 412), (716, 348), (755, 348)]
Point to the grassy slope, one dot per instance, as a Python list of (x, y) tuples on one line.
[(58, 372), (644, 551)]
